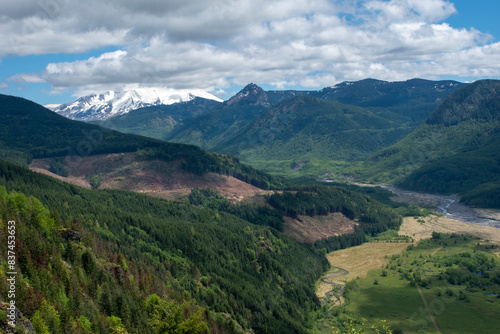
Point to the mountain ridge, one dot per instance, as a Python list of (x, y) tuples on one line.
[(109, 104), (456, 150), (224, 128)]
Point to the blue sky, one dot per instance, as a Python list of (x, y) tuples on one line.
[(56, 50)]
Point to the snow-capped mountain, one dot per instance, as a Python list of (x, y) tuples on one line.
[(112, 103)]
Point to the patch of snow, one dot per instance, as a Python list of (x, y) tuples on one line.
[(51, 106), (111, 103)]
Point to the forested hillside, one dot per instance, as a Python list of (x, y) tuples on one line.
[(474, 174), (223, 121), (216, 258), (80, 282), (307, 128), (158, 121), (308, 133), (454, 151), (28, 131)]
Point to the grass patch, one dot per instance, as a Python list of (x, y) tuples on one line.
[(458, 278)]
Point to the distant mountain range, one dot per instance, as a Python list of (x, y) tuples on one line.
[(456, 150), (434, 136), (312, 132), (266, 130), (113, 103)]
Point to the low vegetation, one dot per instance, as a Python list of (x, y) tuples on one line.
[(458, 276)]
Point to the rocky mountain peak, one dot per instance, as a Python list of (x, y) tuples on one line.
[(251, 94)]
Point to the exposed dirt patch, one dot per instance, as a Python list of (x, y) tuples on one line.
[(69, 179), (311, 229), (156, 178)]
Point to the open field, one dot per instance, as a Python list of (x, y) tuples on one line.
[(361, 259), (384, 290), (358, 261), (470, 305), (418, 230)]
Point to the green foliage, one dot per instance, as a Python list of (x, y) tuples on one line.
[(115, 325), (275, 129), (475, 175), (305, 128), (372, 216), (459, 282), (354, 326), (255, 214), (57, 167), (39, 324), (84, 324), (95, 181), (250, 272), (456, 150), (167, 316)]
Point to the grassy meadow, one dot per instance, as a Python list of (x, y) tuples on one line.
[(458, 276)]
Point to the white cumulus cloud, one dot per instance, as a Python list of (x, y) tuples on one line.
[(213, 44)]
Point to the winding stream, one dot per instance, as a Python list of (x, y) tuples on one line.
[(329, 293), (451, 207)]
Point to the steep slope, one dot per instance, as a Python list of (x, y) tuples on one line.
[(466, 120), (158, 121), (259, 127), (224, 121), (306, 127), (456, 150), (134, 245), (475, 175), (414, 99), (30, 131), (111, 103)]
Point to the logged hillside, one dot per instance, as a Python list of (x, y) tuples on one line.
[(134, 172), (218, 259), (30, 131)]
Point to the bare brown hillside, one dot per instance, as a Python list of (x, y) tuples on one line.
[(156, 178), (311, 229), (127, 171)]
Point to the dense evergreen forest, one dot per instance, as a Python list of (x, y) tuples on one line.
[(110, 261), (254, 274), (226, 265), (372, 216)]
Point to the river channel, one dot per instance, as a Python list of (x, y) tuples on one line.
[(451, 207)]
